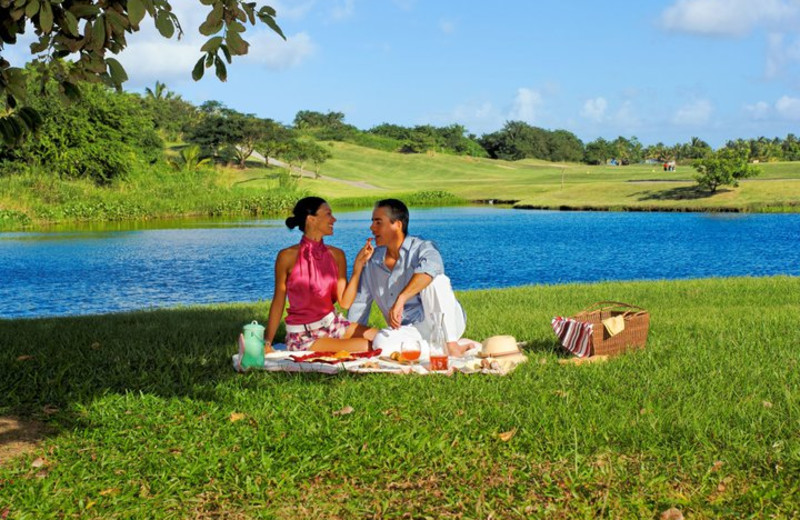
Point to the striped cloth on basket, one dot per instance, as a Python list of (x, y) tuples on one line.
[(575, 336)]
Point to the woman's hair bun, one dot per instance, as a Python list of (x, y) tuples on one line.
[(291, 222)]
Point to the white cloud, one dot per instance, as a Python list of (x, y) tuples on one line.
[(788, 108), (477, 117), (693, 114), (279, 54), (727, 17), (626, 118), (172, 61), (447, 26), (291, 10), (780, 54), (526, 105), (595, 109), (758, 111), (343, 10)]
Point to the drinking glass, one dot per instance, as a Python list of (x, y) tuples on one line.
[(410, 350)]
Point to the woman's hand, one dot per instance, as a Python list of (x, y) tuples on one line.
[(365, 254)]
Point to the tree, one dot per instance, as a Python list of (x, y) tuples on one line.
[(597, 151), (159, 92), (565, 146), (101, 136), (626, 151), (252, 131), (90, 29), (697, 149), (217, 132), (190, 159), (171, 115), (317, 155), (517, 140), (724, 167), (273, 139)]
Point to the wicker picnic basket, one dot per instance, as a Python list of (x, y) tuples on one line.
[(634, 336)]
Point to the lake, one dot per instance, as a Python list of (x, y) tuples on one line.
[(98, 271)]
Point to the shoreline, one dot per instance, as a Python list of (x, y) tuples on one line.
[(80, 224)]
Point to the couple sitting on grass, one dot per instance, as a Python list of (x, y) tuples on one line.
[(404, 275)]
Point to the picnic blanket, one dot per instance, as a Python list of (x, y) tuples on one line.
[(375, 363)]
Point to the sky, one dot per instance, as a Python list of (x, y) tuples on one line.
[(659, 70)]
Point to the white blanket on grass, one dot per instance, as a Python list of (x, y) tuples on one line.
[(469, 363)]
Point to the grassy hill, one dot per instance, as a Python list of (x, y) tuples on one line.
[(544, 184), (356, 176)]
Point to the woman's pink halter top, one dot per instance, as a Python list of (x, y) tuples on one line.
[(311, 287)]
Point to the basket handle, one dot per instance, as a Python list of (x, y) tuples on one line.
[(605, 304)]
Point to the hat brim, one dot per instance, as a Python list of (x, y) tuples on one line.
[(514, 357)]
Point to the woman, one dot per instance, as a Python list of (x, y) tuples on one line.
[(314, 277)]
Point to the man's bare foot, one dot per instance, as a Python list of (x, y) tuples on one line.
[(456, 350)]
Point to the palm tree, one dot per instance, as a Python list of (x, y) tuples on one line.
[(190, 159), (159, 92)]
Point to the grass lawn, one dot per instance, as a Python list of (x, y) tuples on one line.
[(544, 184), (146, 419)]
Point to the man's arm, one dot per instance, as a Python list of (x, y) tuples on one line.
[(428, 266), (362, 304), (417, 283)]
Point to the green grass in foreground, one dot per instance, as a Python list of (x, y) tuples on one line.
[(705, 419)]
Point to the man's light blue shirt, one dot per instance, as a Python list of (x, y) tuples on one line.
[(382, 286)]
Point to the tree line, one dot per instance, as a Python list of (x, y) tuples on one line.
[(102, 134)]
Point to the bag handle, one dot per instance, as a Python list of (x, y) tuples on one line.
[(608, 304)]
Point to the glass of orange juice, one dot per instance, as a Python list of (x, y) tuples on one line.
[(410, 350)]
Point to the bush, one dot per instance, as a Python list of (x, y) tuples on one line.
[(100, 136)]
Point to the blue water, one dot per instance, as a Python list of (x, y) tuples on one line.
[(88, 272)]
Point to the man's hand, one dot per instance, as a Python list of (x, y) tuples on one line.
[(396, 313), (365, 254)]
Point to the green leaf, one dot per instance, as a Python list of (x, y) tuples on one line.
[(216, 14), (117, 72), (6, 131), (136, 11), (221, 71), (99, 33), (32, 8), (208, 28), (41, 45), (30, 117), (249, 9), (81, 10), (212, 44), (199, 69), (71, 23), (270, 21), (235, 26), (164, 24), (70, 90), (236, 44), (46, 17), (226, 52)]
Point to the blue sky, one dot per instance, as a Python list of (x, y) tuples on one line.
[(659, 70)]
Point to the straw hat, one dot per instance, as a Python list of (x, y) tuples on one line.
[(503, 348)]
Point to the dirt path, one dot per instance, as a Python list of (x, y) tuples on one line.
[(306, 173)]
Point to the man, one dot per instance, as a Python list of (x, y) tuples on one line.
[(405, 278)]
